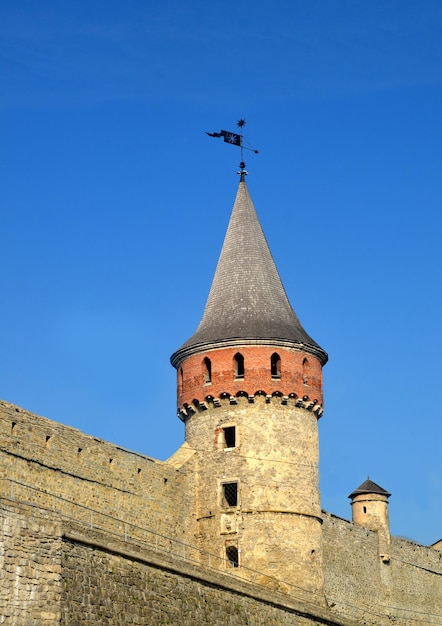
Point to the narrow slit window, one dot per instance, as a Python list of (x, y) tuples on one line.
[(207, 370), (232, 556), (230, 494), (181, 380), (306, 372), (239, 365), (275, 365), (230, 436)]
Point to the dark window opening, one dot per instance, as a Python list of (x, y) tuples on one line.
[(365, 509), (230, 436), (239, 365), (230, 494), (181, 380), (207, 370), (275, 365), (306, 372), (232, 556)]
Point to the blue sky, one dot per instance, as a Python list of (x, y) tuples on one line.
[(114, 205)]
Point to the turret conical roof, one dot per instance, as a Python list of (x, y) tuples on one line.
[(247, 303), (367, 487)]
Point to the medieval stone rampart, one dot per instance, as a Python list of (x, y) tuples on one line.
[(55, 571), (61, 468), (406, 588), (30, 565), (87, 528), (109, 582)]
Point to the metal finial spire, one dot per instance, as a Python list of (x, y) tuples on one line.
[(242, 173)]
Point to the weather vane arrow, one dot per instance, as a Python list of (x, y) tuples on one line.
[(236, 139)]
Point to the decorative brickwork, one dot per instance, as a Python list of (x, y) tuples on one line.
[(299, 377)]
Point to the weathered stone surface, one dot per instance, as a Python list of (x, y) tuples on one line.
[(276, 523), (30, 563), (405, 590), (61, 468), (98, 578), (129, 585)]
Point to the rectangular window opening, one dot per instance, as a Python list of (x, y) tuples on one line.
[(230, 494), (232, 556), (230, 436)]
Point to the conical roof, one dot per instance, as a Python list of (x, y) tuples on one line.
[(368, 486), (247, 303)]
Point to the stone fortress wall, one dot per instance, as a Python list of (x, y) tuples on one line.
[(60, 468), (403, 587), (55, 571), (93, 533)]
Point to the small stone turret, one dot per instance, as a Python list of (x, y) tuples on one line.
[(249, 390), (369, 505)]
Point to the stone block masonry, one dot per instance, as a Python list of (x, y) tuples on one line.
[(118, 562), (57, 572), (108, 582), (405, 590), (58, 467), (30, 566)]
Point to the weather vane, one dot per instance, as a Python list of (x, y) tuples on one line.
[(236, 140)]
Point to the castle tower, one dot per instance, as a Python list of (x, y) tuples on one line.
[(369, 506), (250, 395)]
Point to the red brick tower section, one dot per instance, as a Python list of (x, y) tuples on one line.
[(249, 371), (250, 395)]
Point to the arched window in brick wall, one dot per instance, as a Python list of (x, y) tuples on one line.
[(238, 360), (275, 365), (207, 370), (306, 372)]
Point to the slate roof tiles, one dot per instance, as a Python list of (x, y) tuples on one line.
[(247, 302)]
